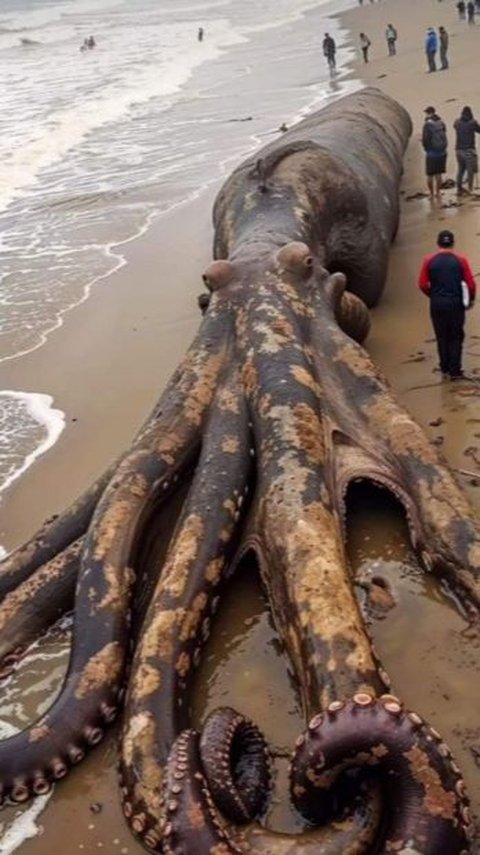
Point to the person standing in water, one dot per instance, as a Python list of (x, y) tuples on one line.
[(329, 50), (441, 278), (200, 34)]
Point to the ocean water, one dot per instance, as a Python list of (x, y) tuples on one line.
[(95, 145)]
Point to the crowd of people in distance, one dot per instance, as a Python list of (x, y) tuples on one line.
[(467, 11), (330, 48)]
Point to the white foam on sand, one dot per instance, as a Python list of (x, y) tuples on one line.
[(29, 426), (24, 826)]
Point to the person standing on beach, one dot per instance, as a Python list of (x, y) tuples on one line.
[(441, 277), (443, 40), (471, 12), (391, 37), (461, 9), (431, 45), (364, 46), (200, 34), (329, 50), (465, 129), (435, 143)]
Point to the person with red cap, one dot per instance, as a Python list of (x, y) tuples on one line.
[(447, 279)]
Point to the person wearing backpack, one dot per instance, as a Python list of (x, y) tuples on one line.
[(435, 144), (465, 129), (391, 37)]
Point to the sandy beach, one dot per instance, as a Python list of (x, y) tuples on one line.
[(108, 362)]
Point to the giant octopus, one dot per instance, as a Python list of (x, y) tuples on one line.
[(275, 410)]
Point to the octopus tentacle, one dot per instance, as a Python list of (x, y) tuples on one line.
[(59, 532), (380, 441), (235, 762), (425, 798), (296, 521), (52, 539), (37, 603), (178, 619), (90, 694)]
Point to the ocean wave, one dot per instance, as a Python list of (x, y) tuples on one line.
[(29, 427)]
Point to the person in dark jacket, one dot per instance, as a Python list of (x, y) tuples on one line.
[(434, 141), (465, 129), (431, 46), (329, 51), (443, 39), (441, 278), (461, 9), (471, 12)]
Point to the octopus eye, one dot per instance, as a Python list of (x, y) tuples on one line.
[(296, 258), (218, 274)]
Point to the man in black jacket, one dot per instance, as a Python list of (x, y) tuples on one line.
[(444, 276), (434, 141), (465, 129)]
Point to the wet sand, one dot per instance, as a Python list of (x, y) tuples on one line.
[(111, 359)]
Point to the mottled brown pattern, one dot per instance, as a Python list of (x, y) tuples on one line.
[(103, 668), (274, 411)]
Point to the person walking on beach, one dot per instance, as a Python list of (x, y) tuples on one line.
[(471, 12), (441, 278), (443, 41), (431, 46), (364, 46), (391, 37), (467, 162), (435, 143), (329, 50)]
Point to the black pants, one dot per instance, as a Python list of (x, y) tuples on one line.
[(448, 320)]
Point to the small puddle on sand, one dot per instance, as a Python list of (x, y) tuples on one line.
[(422, 640)]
